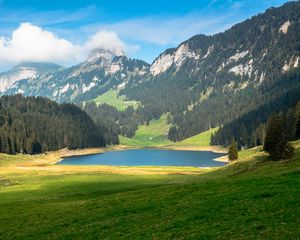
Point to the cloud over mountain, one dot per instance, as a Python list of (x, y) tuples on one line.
[(32, 43)]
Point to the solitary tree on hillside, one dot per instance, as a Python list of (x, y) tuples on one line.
[(276, 143), (297, 121), (233, 151)]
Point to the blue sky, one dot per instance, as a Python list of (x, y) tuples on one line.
[(143, 28)]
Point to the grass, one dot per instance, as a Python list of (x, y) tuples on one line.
[(200, 140), (249, 199), (153, 135), (156, 135), (111, 98)]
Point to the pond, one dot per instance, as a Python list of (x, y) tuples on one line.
[(148, 157)]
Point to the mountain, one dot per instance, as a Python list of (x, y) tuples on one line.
[(102, 71), (22, 71), (207, 81)]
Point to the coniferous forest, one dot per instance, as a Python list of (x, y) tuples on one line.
[(249, 130), (35, 125)]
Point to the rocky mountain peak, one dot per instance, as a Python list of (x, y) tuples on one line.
[(100, 53)]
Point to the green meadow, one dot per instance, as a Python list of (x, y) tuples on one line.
[(251, 198), (111, 98), (156, 135), (153, 135), (199, 140)]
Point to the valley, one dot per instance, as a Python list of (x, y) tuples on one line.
[(39, 199), (201, 143), (207, 81)]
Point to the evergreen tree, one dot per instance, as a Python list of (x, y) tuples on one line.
[(33, 125), (276, 142), (233, 151), (297, 121)]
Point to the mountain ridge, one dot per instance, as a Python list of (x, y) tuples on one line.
[(205, 82), (101, 71)]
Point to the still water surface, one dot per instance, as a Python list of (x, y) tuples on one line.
[(148, 157)]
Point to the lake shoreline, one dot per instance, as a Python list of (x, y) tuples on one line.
[(116, 148), (90, 151), (47, 162)]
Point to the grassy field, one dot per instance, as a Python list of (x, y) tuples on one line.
[(249, 199), (202, 139), (111, 98), (156, 135), (153, 135)]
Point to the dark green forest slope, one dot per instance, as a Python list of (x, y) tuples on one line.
[(209, 81), (35, 124)]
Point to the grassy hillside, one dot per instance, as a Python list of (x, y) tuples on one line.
[(153, 135), (249, 199), (201, 140), (156, 135), (111, 98)]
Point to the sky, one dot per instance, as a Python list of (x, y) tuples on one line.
[(65, 31)]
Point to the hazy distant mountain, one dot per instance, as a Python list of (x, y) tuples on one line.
[(28, 71), (101, 71)]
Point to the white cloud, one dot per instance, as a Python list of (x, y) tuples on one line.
[(107, 40), (32, 43)]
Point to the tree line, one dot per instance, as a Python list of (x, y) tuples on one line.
[(281, 128), (34, 125), (249, 129), (117, 122)]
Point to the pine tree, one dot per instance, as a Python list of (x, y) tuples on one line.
[(297, 121), (233, 151), (276, 142)]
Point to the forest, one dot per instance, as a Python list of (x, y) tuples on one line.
[(249, 129), (34, 125)]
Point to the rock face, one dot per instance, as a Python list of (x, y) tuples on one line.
[(176, 57), (24, 71), (101, 71)]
